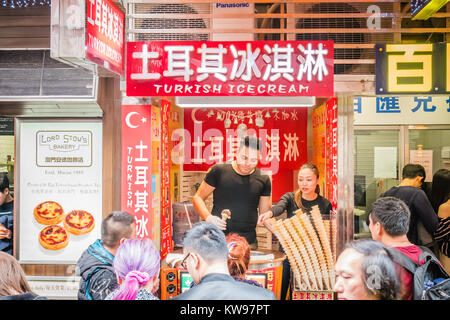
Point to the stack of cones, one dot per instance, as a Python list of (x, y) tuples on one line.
[(309, 247)]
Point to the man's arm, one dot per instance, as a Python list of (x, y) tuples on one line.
[(198, 201), (203, 192), (426, 212), (265, 202)]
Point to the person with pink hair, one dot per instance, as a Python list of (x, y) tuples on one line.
[(136, 264)]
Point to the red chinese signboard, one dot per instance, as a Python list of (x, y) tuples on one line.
[(166, 207), (105, 35), (136, 167), (213, 136), (331, 151), (225, 68)]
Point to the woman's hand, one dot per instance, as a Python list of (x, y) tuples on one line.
[(270, 224), (264, 216)]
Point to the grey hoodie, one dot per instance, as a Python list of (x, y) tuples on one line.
[(98, 278)]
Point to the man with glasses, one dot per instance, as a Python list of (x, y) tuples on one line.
[(239, 187), (205, 258), (423, 220)]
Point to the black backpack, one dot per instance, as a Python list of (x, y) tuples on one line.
[(430, 280)]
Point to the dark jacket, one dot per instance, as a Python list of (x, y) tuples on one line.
[(217, 286), (24, 296), (98, 278), (420, 208), (7, 219)]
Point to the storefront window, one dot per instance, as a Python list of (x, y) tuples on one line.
[(376, 159), (431, 148)]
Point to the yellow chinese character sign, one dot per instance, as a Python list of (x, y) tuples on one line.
[(412, 68)]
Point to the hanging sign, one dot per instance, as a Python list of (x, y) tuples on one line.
[(88, 34), (105, 34), (424, 9), (136, 167), (230, 68)]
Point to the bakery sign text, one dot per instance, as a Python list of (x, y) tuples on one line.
[(230, 68), (64, 148)]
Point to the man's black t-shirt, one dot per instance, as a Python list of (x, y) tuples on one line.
[(240, 194)]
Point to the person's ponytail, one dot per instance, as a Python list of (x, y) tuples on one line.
[(130, 286)]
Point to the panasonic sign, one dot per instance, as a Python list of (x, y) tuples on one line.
[(232, 5)]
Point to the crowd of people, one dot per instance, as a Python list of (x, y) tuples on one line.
[(406, 224)]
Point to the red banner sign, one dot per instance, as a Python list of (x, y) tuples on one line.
[(225, 68), (271, 272), (312, 295), (136, 167), (331, 151), (166, 207), (213, 136), (105, 35)]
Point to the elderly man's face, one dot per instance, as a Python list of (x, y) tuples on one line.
[(191, 262), (349, 277)]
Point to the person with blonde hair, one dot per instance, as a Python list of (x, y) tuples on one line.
[(13, 283), (305, 197)]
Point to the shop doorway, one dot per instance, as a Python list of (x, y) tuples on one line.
[(380, 152)]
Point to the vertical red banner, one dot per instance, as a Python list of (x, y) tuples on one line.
[(331, 151), (136, 167), (166, 207)]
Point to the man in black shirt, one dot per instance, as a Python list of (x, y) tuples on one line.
[(240, 187), (415, 198)]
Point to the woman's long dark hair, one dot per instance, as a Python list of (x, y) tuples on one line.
[(440, 188), (298, 193)]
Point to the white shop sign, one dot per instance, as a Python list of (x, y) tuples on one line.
[(402, 110), (55, 288), (59, 161)]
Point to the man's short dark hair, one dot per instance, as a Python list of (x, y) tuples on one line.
[(117, 225), (208, 241), (4, 182), (251, 142), (393, 214), (413, 170)]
